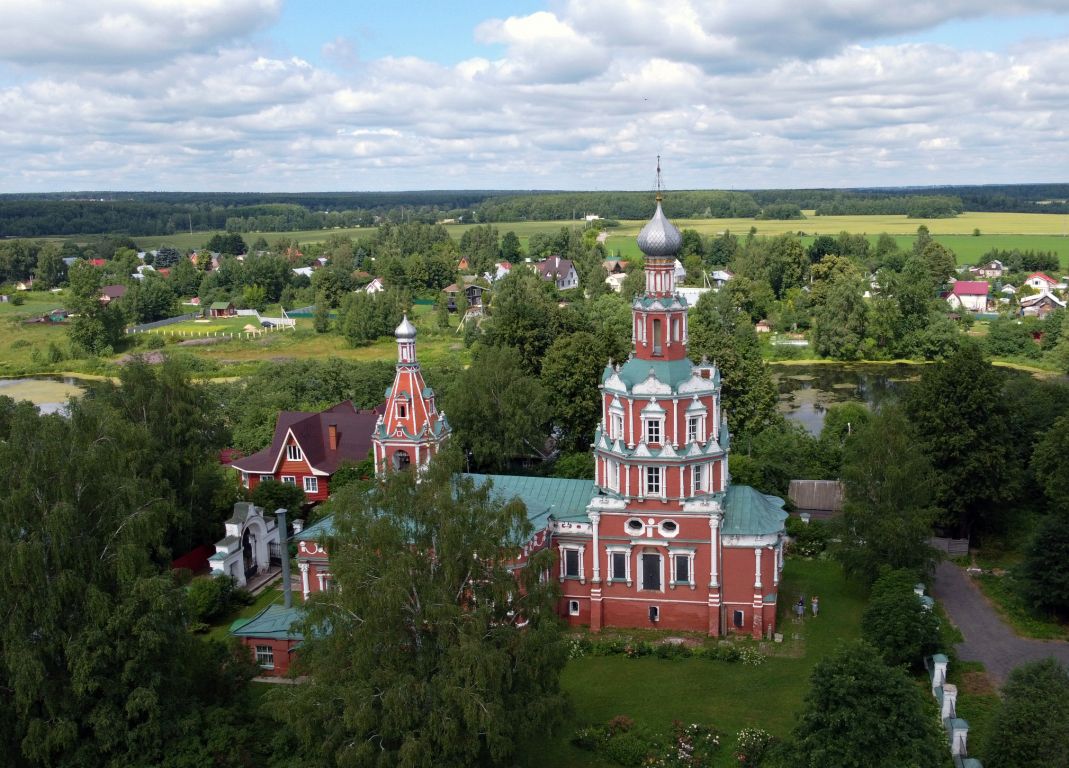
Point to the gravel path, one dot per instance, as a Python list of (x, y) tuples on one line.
[(988, 639)]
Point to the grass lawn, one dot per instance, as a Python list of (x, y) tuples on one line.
[(1002, 592), (977, 702), (219, 630), (723, 695)]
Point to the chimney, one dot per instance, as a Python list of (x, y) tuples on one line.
[(284, 556), (332, 436)]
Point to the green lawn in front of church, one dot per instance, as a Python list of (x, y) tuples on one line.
[(727, 696)]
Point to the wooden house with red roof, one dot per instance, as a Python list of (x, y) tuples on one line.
[(969, 295), (308, 448)]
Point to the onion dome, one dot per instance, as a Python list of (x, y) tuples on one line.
[(405, 331), (660, 238)]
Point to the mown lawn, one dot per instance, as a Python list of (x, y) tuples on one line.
[(728, 696)]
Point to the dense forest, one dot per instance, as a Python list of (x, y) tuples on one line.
[(165, 213)]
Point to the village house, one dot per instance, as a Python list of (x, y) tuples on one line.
[(501, 270), (614, 266), (720, 278), (992, 269), (308, 448), (222, 309), (473, 293), (1039, 305), (1040, 282), (110, 293), (375, 286), (969, 295), (559, 271)]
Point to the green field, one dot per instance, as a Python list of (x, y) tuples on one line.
[(654, 692)]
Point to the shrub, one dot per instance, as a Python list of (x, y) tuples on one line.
[(896, 623), (209, 598), (751, 656), (628, 748), (155, 341), (751, 746), (726, 651)]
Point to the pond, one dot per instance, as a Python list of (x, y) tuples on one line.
[(48, 393), (806, 391)]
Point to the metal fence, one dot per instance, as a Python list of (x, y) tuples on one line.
[(161, 323), (953, 547)]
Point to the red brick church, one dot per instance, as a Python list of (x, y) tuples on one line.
[(660, 538)]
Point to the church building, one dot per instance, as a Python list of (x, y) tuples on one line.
[(660, 538)]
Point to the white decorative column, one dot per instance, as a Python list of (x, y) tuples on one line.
[(305, 589), (714, 526), (595, 518), (757, 568)]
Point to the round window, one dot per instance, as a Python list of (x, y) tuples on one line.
[(634, 525), (669, 528)]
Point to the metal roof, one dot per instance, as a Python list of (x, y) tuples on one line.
[(659, 237), (544, 497), (274, 622), (748, 512)]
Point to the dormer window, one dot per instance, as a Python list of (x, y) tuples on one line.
[(402, 409), (293, 452)]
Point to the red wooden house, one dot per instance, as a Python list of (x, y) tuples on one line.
[(309, 447)]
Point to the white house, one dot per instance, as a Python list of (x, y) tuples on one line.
[(1041, 282), (680, 271), (375, 286), (720, 277), (305, 271), (616, 281), (561, 271), (969, 295)]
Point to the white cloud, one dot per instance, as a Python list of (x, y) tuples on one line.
[(583, 97), (111, 32)]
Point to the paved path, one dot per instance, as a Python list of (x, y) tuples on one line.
[(988, 639)]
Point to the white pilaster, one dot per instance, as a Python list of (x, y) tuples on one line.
[(305, 589), (714, 541), (757, 567), (595, 518)]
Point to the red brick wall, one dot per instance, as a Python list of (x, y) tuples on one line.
[(283, 652)]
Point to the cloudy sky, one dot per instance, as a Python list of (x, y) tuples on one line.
[(288, 95)]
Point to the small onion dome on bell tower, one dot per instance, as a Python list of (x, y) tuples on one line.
[(660, 238), (406, 342)]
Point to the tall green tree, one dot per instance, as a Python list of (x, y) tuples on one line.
[(717, 334), (523, 318), (97, 666), (51, 270), (571, 373), (1045, 570), (96, 329), (960, 423), (888, 510), (429, 652), (498, 411), (861, 713), (1030, 728)]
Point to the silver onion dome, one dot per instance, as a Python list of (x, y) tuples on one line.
[(660, 237), (405, 331)]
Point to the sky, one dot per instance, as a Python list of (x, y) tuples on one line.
[(326, 95)]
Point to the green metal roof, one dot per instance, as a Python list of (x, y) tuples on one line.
[(749, 512), (670, 372), (274, 622), (317, 530), (544, 497), (220, 305)]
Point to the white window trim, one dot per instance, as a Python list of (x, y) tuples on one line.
[(311, 484), (673, 553), (581, 549), (616, 421), (649, 421), (668, 534), (401, 409), (573, 607), (612, 471), (245, 479), (264, 478), (293, 452), (291, 479), (660, 483), (265, 652), (699, 484), (626, 552), (642, 571)]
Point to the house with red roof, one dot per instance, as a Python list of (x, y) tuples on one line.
[(1041, 282), (969, 295), (308, 448), (97, 262)]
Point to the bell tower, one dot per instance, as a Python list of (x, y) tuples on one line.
[(411, 429)]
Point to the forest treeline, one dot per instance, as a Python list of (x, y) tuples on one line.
[(142, 214)]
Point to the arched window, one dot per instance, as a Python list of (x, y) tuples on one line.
[(401, 459)]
